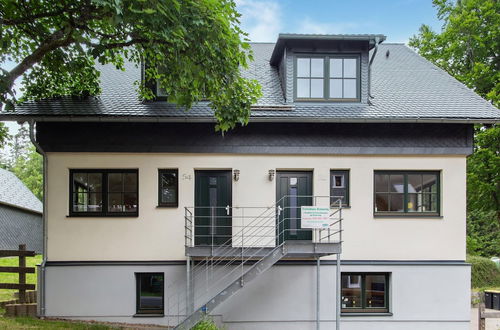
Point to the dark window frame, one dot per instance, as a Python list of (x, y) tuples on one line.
[(346, 173), (104, 212), (161, 171), (405, 212), (138, 310), (326, 76), (363, 309)]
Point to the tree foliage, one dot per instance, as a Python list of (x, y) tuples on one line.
[(468, 48), (193, 48), (483, 194), (4, 135), (24, 161)]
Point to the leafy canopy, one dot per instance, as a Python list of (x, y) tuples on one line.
[(199, 43)]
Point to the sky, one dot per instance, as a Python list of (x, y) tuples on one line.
[(263, 20)]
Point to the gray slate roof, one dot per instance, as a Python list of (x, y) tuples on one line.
[(14, 193), (405, 86)]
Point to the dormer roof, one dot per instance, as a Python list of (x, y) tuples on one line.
[(323, 41)]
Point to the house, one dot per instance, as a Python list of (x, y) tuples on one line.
[(153, 217), (20, 215)]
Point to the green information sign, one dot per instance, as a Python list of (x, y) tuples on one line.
[(315, 217)]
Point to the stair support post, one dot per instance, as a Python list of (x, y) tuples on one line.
[(318, 294), (189, 287), (338, 303)]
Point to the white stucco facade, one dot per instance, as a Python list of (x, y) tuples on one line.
[(421, 297), (158, 233)]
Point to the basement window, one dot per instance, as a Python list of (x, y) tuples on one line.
[(407, 192), (365, 293), (104, 193), (150, 293)]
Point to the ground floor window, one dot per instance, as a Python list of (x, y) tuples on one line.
[(407, 192), (104, 193), (150, 293), (365, 292)]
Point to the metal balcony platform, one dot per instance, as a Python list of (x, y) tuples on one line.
[(293, 249)]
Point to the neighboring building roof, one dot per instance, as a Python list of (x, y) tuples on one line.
[(14, 193), (405, 87)]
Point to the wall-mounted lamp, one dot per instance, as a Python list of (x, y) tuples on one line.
[(271, 175), (236, 175)]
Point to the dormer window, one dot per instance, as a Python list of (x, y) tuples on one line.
[(327, 78)]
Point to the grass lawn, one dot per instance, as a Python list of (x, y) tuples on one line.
[(32, 323), (14, 277)]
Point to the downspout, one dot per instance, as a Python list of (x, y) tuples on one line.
[(370, 96), (41, 284)]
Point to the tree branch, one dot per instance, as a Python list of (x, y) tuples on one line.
[(31, 18), (56, 40)]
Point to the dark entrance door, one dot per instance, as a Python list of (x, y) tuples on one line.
[(213, 203), (294, 189)]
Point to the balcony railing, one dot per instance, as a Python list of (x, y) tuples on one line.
[(224, 229)]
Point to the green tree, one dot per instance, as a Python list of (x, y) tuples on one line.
[(468, 48), (29, 169), (483, 194), (23, 160), (199, 42), (4, 135)]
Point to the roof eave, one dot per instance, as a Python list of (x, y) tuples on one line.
[(210, 119), (21, 208)]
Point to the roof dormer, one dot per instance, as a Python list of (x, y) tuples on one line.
[(324, 68)]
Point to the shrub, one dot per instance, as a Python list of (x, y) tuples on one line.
[(206, 324), (484, 272)]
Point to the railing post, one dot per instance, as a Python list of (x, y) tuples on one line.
[(22, 274), (212, 228)]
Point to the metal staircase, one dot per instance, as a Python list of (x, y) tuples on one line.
[(216, 272)]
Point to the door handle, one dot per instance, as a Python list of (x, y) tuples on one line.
[(227, 209), (279, 210)]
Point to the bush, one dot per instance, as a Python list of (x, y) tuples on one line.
[(484, 272), (206, 324)]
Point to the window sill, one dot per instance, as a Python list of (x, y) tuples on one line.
[(408, 216), (327, 100), (135, 215), (167, 206), (148, 315), (366, 314)]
